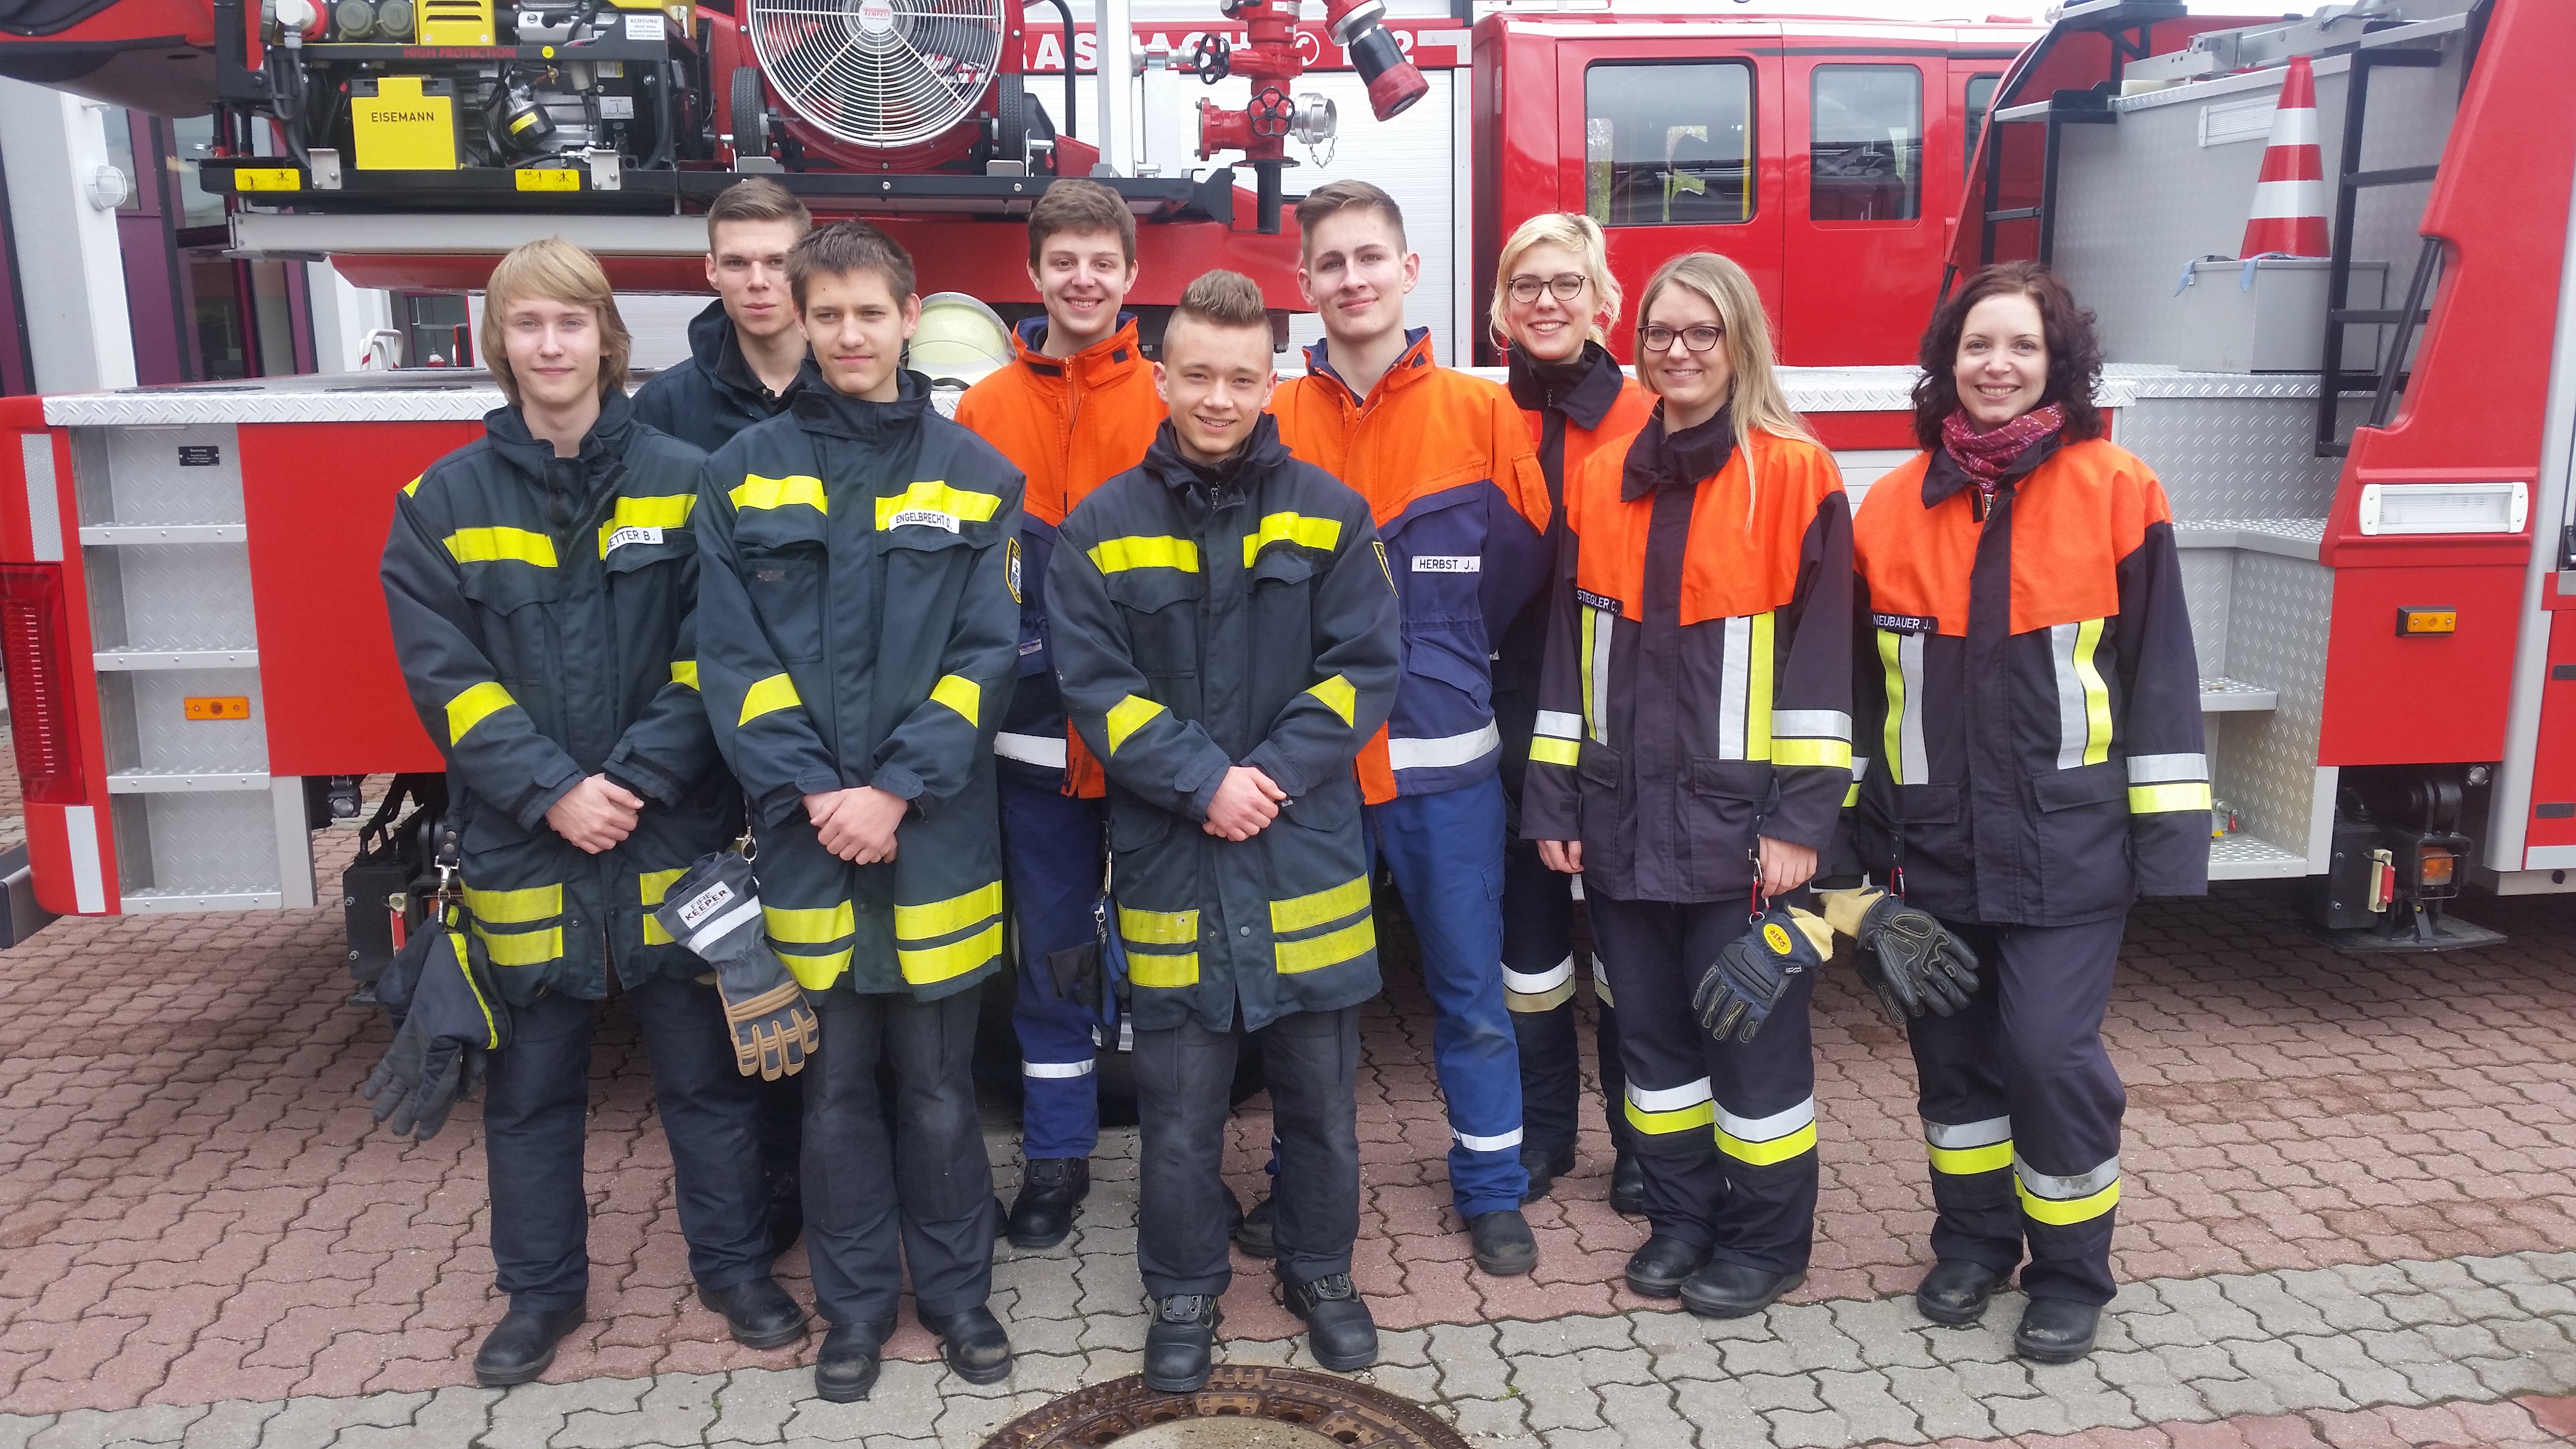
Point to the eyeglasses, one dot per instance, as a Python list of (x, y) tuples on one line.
[(1566, 285), (1696, 339)]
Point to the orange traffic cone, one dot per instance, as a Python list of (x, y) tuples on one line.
[(2290, 196)]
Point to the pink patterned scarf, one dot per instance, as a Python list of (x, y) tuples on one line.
[(1984, 456)]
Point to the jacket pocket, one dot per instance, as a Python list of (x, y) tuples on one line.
[(2083, 828), (520, 638), (1160, 609), (1133, 824), (785, 583), (1722, 813), (1451, 652), (636, 551), (1926, 805), (1329, 806)]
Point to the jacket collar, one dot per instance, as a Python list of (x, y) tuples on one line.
[(507, 428), (1102, 362), (1676, 460), (1261, 454), (824, 409), (1584, 387), (1945, 477), (1413, 363), (717, 348)]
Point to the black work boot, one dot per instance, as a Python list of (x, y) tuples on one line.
[(847, 1367), (1339, 1330), (1256, 1235), (1657, 1269), (2056, 1330), (522, 1345), (1627, 1185), (973, 1343), (1544, 1168), (1051, 1194), (759, 1313), (1721, 1289), (1504, 1247), (1956, 1291), (1180, 1344)]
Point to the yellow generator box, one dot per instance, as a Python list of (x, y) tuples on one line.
[(402, 128), (456, 22)]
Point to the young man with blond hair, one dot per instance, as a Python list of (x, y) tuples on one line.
[(1073, 407), (745, 350), (1446, 465), (541, 583), (1225, 635)]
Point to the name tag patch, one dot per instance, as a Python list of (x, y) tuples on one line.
[(1906, 623), (923, 518), (1591, 600), (633, 533), (1448, 563), (708, 902)]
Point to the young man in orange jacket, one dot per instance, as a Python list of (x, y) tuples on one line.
[(1073, 409), (1445, 462)]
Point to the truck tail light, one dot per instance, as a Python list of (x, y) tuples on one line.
[(41, 721), (2435, 869)]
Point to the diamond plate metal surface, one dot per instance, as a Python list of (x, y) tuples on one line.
[(162, 740), (2265, 764), (2242, 857), (141, 476), (197, 844), (2232, 457), (346, 397), (2208, 575), (171, 596)]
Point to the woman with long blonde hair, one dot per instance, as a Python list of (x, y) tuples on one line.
[(1691, 753), (1553, 298)]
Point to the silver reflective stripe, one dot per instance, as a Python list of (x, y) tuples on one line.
[(2167, 769), (1446, 752), (1860, 768), (1474, 1143), (704, 941), (2072, 721), (1531, 983), (1733, 680), (2066, 1189), (1556, 724), (1031, 749), (1059, 1070), (1831, 724), (1605, 622), (1668, 1099), (1967, 1134), (1913, 765), (1763, 1129)]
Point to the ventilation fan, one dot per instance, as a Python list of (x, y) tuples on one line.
[(885, 75)]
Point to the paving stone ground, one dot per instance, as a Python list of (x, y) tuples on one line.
[(2350, 1201)]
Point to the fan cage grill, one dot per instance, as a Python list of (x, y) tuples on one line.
[(883, 73)]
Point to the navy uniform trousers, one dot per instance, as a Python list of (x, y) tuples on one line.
[(1052, 849), (2021, 1108), (1539, 986), (538, 1105), (1724, 1131)]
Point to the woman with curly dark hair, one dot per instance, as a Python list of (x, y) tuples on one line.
[(2026, 682)]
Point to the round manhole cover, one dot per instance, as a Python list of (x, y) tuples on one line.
[(1248, 1407)]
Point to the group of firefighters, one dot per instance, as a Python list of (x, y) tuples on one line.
[(770, 692)]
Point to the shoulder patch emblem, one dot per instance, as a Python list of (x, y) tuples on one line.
[(1384, 569), (1011, 568)]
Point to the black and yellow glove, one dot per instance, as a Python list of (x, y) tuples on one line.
[(1753, 971), (715, 908), (1909, 961), (437, 1057)]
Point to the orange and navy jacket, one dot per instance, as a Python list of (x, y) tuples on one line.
[(1574, 409), (1070, 424), (2029, 701), (1697, 691), (1445, 463)]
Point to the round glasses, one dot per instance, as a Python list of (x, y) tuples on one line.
[(1694, 339), (1566, 285)]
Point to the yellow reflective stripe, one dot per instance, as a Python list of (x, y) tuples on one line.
[(1679, 1119), (522, 948), (933, 964), (809, 925), (815, 973), (685, 671), (1128, 716), (653, 886), (1852, 796), (1757, 694), (1548, 750), (1890, 657), (1165, 973), (958, 693), (2069, 1211), (412, 488), (1592, 662), (494, 545), (2152, 799), (1298, 913), (660, 510), (1330, 949), (477, 704), (1112, 555), (2097, 695), (1157, 928), (515, 908), (757, 492), (935, 496), (1339, 697), (765, 696), (1812, 752), (1294, 528), (1763, 1154), (940, 918), (1962, 1161)]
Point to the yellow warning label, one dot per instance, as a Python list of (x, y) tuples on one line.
[(400, 129), (1777, 938), (554, 180), (217, 706), (267, 178)]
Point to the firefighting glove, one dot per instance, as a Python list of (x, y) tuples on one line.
[(715, 908), (1753, 971), (1907, 959), (455, 1018)]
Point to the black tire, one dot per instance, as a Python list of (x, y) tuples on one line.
[(748, 112), (1011, 119)]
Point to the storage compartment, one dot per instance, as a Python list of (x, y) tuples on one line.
[(2272, 318)]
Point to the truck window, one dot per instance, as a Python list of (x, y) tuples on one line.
[(1981, 99), (1866, 152), (1668, 145)]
